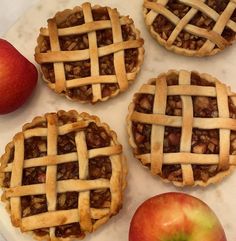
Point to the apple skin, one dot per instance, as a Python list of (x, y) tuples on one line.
[(18, 78), (175, 216)]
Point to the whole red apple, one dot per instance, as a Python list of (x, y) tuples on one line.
[(18, 78), (175, 217)]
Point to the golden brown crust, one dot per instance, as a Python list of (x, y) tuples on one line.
[(121, 78), (182, 158), (116, 184)]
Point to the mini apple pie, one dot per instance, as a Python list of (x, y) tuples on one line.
[(63, 176), (182, 125), (193, 28), (89, 54)]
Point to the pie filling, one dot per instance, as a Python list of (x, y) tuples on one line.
[(163, 27), (68, 230), (99, 167), (203, 141), (81, 69)]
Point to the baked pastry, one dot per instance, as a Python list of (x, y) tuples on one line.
[(192, 28), (89, 54), (182, 125), (63, 176)]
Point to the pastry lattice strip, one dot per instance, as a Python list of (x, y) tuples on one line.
[(90, 27), (214, 36), (52, 187), (159, 120)]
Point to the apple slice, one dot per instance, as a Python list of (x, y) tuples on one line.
[(175, 217), (18, 78)]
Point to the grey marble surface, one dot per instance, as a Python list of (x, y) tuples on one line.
[(141, 185)]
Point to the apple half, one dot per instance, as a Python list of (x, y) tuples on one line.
[(175, 216)]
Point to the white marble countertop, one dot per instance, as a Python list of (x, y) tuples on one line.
[(10, 11), (221, 197)]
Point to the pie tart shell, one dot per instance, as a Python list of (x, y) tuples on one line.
[(178, 50), (131, 108), (62, 16), (122, 175)]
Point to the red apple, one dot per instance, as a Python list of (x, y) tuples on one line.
[(18, 78), (175, 217)]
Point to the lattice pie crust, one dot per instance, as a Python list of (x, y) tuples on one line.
[(63, 176), (192, 27), (89, 54), (182, 125)]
